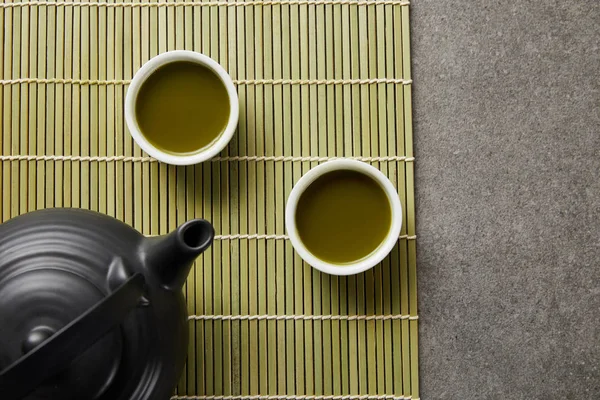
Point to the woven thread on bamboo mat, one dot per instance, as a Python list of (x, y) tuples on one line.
[(317, 80), (26, 157), (277, 237), (297, 397), (239, 82)]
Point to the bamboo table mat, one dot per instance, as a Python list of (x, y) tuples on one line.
[(317, 79)]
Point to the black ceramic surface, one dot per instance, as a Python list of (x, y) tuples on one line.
[(90, 308)]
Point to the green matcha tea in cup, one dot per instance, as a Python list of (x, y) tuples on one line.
[(182, 107), (343, 217)]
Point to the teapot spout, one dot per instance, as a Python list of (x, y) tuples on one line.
[(170, 257)]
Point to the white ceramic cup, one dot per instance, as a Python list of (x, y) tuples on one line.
[(140, 77), (386, 245)]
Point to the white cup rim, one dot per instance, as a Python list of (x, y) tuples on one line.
[(140, 77), (384, 248)]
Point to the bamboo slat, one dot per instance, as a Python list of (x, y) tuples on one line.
[(317, 80)]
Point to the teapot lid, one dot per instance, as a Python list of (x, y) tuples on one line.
[(39, 300), (54, 269), (90, 309)]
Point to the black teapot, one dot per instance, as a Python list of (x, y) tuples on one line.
[(90, 308)]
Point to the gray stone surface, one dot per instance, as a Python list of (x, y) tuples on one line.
[(507, 140)]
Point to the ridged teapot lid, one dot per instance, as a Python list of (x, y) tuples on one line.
[(53, 269), (90, 308), (36, 303)]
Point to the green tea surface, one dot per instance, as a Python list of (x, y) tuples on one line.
[(343, 216), (182, 107)]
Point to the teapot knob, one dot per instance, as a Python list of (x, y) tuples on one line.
[(35, 337)]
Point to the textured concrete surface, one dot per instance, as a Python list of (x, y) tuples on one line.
[(507, 140)]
